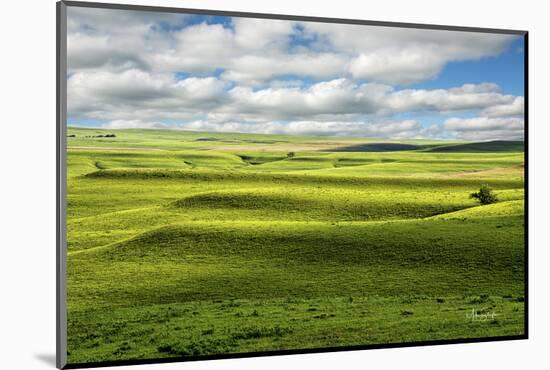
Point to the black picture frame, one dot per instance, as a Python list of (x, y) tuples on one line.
[(61, 191)]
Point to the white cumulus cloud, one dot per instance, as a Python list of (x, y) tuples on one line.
[(142, 69)]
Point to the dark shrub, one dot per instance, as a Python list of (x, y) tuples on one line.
[(485, 195)]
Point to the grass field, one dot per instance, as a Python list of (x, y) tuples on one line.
[(186, 243)]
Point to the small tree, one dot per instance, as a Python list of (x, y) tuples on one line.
[(290, 154), (485, 195)]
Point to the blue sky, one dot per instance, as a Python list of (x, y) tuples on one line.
[(505, 69), (226, 74)]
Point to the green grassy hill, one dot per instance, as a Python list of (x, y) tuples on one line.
[(183, 243)]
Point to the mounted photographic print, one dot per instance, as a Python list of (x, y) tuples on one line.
[(235, 184)]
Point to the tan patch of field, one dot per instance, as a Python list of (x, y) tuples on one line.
[(514, 171)]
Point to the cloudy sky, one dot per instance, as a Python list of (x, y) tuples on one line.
[(132, 69)]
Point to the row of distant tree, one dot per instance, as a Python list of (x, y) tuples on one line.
[(106, 135)]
